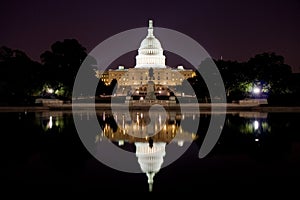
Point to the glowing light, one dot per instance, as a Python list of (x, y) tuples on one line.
[(50, 90), (50, 123), (256, 140), (123, 121), (256, 90), (121, 142), (193, 136), (159, 120), (180, 143), (256, 125), (141, 98)]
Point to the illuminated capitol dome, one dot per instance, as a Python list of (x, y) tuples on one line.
[(150, 66), (150, 53)]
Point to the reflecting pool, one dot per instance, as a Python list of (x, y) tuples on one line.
[(42, 150)]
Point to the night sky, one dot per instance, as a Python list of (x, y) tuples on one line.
[(235, 30)]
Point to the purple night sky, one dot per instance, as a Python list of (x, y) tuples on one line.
[(235, 30)]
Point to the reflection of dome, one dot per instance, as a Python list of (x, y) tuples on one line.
[(150, 52), (150, 158)]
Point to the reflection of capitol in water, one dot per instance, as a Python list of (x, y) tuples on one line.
[(150, 158), (133, 132), (150, 134), (140, 126)]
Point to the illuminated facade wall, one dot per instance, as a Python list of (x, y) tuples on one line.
[(150, 56), (136, 77)]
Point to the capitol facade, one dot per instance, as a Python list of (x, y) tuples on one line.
[(150, 66)]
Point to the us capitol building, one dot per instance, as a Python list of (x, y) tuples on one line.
[(150, 66)]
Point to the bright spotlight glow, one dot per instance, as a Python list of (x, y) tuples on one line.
[(50, 123), (121, 142), (50, 90), (180, 143), (256, 125), (256, 90)]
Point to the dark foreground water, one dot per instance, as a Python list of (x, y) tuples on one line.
[(41, 151)]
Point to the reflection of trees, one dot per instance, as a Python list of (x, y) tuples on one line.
[(51, 121), (248, 125)]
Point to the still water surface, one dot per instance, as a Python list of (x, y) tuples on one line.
[(43, 150)]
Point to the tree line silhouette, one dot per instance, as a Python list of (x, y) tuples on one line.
[(22, 79)]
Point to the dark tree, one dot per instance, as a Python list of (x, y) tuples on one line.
[(19, 77), (266, 71), (270, 68), (235, 78), (195, 85), (101, 88), (61, 64)]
